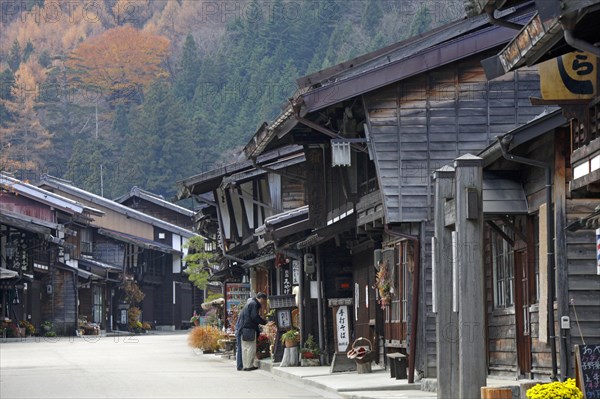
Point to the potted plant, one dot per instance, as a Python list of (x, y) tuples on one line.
[(48, 329), (205, 338), (310, 353), (29, 328), (195, 319), (263, 345), (146, 326), (290, 338), (567, 389)]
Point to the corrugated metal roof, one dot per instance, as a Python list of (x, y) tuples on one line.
[(67, 186), (139, 241), (80, 272), (155, 199), (285, 223), (94, 262), (283, 216), (39, 194), (433, 49)]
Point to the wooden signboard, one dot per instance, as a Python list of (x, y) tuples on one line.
[(286, 280), (587, 370), (573, 76)]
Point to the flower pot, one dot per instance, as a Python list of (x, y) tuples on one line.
[(196, 322), (290, 343), (263, 354)]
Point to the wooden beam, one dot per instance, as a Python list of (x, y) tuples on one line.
[(501, 233), (514, 228)]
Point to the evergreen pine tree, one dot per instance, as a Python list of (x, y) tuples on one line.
[(44, 59), (187, 77), (121, 121), (27, 51), (7, 85), (14, 56), (161, 149), (421, 22), (372, 16)]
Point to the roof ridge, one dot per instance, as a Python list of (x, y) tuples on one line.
[(120, 208)]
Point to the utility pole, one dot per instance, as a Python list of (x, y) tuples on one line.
[(101, 166)]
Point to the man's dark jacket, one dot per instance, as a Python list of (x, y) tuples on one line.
[(249, 317)]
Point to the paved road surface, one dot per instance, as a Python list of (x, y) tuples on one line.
[(147, 366)]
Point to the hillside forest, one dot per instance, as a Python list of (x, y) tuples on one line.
[(116, 93)]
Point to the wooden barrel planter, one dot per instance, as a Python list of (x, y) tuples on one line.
[(496, 393)]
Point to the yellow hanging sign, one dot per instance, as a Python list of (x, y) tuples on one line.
[(573, 76)]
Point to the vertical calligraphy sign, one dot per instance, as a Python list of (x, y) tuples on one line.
[(343, 335), (286, 280), (295, 272)]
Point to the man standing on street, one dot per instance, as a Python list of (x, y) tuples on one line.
[(246, 331)]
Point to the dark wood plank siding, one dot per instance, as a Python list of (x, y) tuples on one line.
[(584, 283), (60, 305), (26, 206), (292, 190), (420, 125)]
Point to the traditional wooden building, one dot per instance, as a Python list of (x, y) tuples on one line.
[(156, 205), (373, 130), (520, 255), (535, 254), (146, 249), (255, 208), (36, 227), (561, 39)]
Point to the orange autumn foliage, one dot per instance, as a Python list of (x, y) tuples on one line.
[(120, 58)]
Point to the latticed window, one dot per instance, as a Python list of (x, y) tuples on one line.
[(503, 267), (97, 298)]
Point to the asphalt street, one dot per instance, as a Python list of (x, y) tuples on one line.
[(144, 366)]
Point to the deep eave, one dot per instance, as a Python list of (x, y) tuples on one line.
[(535, 128), (27, 223), (433, 56), (208, 181), (543, 36)]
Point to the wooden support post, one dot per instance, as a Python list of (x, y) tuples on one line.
[(472, 367), (560, 248), (446, 325)]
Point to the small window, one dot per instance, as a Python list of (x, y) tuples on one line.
[(503, 269)]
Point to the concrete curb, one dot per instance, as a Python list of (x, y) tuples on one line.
[(274, 369)]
